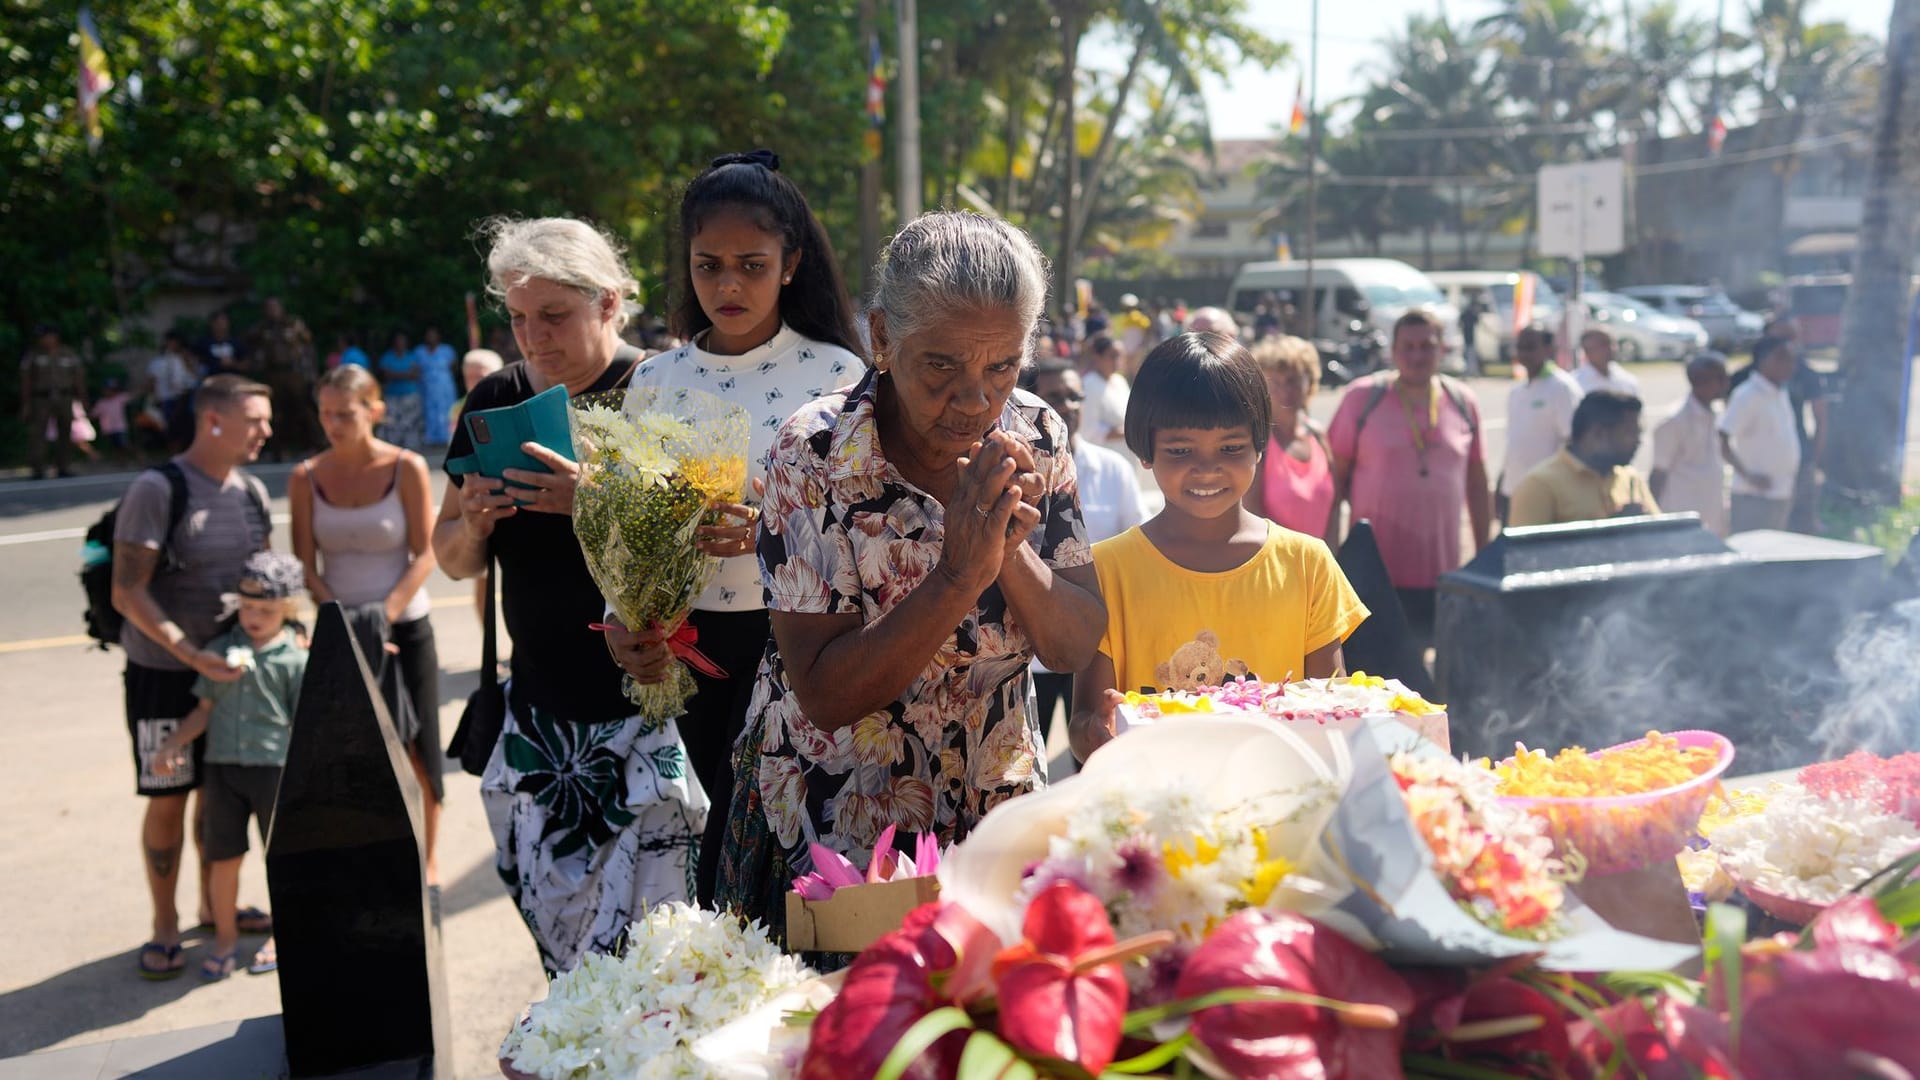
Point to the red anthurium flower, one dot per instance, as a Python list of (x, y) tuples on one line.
[(888, 989), (1855, 920), (1281, 1040), (1058, 997), (1847, 1011), (1664, 1040), (1498, 1020)]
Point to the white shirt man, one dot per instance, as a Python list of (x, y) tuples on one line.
[(1597, 370), (1686, 459), (1109, 491), (1103, 416), (1539, 421), (1762, 440)]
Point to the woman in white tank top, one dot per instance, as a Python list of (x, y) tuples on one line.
[(362, 524)]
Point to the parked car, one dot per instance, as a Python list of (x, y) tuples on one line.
[(1815, 302), (1376, 290), (1493, 335), (1728, 326), (1640, 332)]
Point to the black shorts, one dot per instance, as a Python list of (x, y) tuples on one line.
[(231, 795), (157, 701)]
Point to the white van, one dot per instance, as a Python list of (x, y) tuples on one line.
[(1493, 333), (1389, 287)]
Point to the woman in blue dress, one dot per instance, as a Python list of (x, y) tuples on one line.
[(400, 384), (436, 360)]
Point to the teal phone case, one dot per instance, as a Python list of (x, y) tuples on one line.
[(498, 433)]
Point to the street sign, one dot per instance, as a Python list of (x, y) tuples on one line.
[(1583, 209)]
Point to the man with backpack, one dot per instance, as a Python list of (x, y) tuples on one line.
[(180, 537), (1408, 457)]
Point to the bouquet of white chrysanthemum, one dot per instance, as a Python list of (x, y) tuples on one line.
[(684, 974), (651, 463)]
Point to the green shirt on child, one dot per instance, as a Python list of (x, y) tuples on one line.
[(251, 718)]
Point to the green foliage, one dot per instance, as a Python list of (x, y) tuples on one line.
[(1890, 528), (341, 153)]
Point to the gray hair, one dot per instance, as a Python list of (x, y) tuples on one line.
[(561, 250), (952, 260)]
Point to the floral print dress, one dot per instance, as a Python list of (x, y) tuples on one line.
[(845, 533)]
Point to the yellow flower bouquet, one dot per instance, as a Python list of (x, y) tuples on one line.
[(652, 462)]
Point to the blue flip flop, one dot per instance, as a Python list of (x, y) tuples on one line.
[(218, 966), (169, 956)]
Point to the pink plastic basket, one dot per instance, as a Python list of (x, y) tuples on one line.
[(1616, 833)]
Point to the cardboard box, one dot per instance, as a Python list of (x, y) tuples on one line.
[(856, 916)]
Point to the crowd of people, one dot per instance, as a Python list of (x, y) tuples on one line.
[(148, 412), (944, 525)]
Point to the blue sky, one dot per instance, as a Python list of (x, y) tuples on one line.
[(1251, 101)]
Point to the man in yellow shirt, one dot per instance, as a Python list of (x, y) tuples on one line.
[(1592, 477)]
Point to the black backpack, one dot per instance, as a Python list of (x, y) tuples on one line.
[(104, 622)]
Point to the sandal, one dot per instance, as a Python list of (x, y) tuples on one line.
[(264, 961), (219, 966), (248, 920), (171, 962)]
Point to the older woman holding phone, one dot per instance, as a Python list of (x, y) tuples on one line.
[(592, 811), (922, 542)]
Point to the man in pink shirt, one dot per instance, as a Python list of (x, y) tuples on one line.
[(1407, 456)]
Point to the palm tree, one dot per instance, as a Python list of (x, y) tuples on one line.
[(1183, 39), (1435, 81), (1800, 66), (1872, 343), (1550, 59)]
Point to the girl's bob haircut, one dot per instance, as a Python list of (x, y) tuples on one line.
[(1205, 381)]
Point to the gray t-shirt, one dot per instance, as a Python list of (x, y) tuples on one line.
[(221, 528)]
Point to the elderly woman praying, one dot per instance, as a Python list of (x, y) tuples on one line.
[(922, 542)]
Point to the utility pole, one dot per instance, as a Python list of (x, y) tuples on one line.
[(1070, 146), (869, 164), (906, 13), (1312, 305)]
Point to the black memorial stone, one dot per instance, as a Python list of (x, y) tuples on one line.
[(1595, 632), (1383, 645), (362, 985)]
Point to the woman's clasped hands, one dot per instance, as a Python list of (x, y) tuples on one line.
[(993, 509)]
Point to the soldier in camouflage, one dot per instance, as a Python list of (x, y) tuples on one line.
[(53, 378), (283, 355)]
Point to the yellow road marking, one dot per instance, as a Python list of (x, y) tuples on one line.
[(67, 641)]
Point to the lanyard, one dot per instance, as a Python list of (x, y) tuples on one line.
[(1418, 433)]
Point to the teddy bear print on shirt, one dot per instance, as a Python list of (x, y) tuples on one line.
[(1198, 664)]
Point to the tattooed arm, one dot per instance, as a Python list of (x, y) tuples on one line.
[(133, 568)]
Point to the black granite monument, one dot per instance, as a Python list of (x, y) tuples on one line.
[(1595, 632), (362, 985)]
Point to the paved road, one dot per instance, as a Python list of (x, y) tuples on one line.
[(68, 879)]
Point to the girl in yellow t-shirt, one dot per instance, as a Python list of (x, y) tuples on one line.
[(1207, 590)]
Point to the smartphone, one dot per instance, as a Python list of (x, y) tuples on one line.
[(498, 434)]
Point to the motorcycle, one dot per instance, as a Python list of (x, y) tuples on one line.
[(1361, 352)]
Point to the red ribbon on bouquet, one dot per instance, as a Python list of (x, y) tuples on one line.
[(682, 645)]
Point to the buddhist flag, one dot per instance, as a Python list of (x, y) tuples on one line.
[(876, 95), (1716, 134), (1523, 302), (1298, 121), (95, 79)]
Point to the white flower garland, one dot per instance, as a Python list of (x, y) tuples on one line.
[(1812, 849), (685, 973)]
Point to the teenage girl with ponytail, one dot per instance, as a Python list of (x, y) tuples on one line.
[(769, 326)]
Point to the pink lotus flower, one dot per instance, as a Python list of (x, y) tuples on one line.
[(833, 871)]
